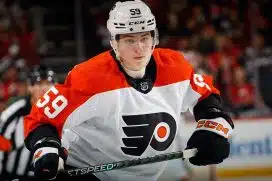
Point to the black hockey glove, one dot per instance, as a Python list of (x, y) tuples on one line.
[(48, 158), (211, 140)]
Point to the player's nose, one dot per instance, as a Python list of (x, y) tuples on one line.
[(139, 48)]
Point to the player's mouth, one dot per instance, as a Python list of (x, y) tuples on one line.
[(139, 57)]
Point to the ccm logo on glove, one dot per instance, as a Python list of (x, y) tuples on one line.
[(218, 125)]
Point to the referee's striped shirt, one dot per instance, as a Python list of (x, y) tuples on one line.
[(16, 163)]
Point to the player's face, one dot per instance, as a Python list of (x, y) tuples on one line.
[(135, 50), (38, 89)]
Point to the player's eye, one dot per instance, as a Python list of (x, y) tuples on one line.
[(130, 41), (145, 39)]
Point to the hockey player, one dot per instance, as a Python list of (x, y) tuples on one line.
[(15, 158), (125, 104)]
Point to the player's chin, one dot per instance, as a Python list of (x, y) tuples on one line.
[(139, 67), (140, 64)]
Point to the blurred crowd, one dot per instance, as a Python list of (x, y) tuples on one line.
[(228, 39), (17, 51)]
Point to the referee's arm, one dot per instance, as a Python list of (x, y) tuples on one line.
[(17, 160), (11, 127)]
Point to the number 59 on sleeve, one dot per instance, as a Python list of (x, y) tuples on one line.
[(58, 104)]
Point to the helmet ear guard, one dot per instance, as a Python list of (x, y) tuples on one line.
[(113, 44), (156, 37)]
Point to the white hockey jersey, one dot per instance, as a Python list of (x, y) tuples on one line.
[(101, 118)]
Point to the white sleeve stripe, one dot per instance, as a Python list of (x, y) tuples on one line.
[(1, 161), (17, 162), (12, 109), (191, 97), (11, 161), (10, 129), (23, 161), (19, 132)]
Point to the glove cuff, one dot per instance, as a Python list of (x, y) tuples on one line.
[(47, 141), (218, 125), (49, 145), (40, 152)]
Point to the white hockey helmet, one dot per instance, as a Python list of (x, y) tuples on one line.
[(131, 17)]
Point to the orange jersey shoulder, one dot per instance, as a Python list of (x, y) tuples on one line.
[(98, 74), (172, 67)]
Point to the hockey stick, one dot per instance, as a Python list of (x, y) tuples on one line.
[(122, 164), (128, 163)]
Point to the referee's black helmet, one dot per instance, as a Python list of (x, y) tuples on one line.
[(41, 72)]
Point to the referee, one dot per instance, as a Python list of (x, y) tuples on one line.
[(15, 159)]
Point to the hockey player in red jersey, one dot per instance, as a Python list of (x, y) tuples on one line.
[(127, 103)]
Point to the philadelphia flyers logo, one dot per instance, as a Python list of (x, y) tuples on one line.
[(157, 130)]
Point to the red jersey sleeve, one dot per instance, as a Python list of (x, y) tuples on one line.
[(203, 84), (55, 106)]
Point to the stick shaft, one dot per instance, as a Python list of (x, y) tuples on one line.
[(129, 163)]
